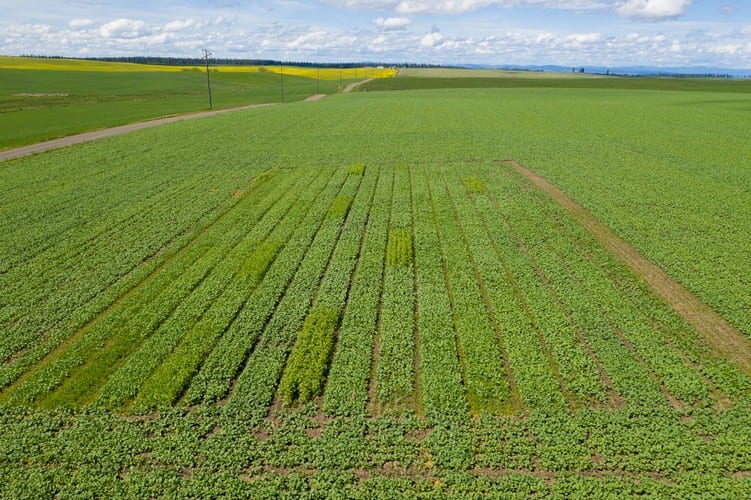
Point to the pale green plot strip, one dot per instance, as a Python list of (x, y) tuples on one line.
[(255, 385), (200, 310), (189, 346), (147, 306)]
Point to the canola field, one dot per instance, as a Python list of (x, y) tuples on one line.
[(360, 296), (327, 73)]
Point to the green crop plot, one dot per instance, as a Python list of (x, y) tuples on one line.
[(369, 300)]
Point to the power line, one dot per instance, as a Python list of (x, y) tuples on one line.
[(206, 55)]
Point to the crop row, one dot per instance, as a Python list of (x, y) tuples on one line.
[(218, 372), (496, 257), (440, 374), (305, 374), (399, 287), (176, 356), (120, 221), (629, 376), (396, 337), (526, 311), (633, 299), (306, 367), (485, 378), (57, 329), (149, 305), (31, 311), (347, 387), (675, 374), (624, 363), (258, 380)]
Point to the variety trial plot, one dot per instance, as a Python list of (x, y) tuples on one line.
[(448, 291), (371, 328)]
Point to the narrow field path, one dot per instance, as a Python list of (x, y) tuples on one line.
[(724, 337), (349, 88)]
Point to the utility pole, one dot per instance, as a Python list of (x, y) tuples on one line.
[(206, 55), (318, 80), (281, 76)]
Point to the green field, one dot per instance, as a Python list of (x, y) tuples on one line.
[(360, 296), (39, 103), (485, 79), (488, 73)]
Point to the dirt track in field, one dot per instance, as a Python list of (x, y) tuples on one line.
[(349, 88), (724, 337)]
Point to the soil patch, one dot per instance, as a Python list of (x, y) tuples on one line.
[(349, 88)]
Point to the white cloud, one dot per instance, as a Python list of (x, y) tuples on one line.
[(442, 6), (180, 25), (395, 37), (431, 40), (410, 7), (124, 28), (652, 9), (392, 23), (80, 23), (585, 37), (728, 49), (32, 29)]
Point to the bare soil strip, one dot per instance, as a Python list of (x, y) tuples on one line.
[(724, 337), (349, 88), (108, 132)]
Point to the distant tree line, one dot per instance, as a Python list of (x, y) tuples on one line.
[(199, 61)]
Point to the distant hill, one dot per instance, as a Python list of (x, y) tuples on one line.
[(675, 71)]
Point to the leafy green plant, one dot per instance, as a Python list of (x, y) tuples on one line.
[(399, 250), (309, 360), (474, 185), (357, 169)]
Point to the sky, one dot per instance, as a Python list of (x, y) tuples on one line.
[(663, 33)]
